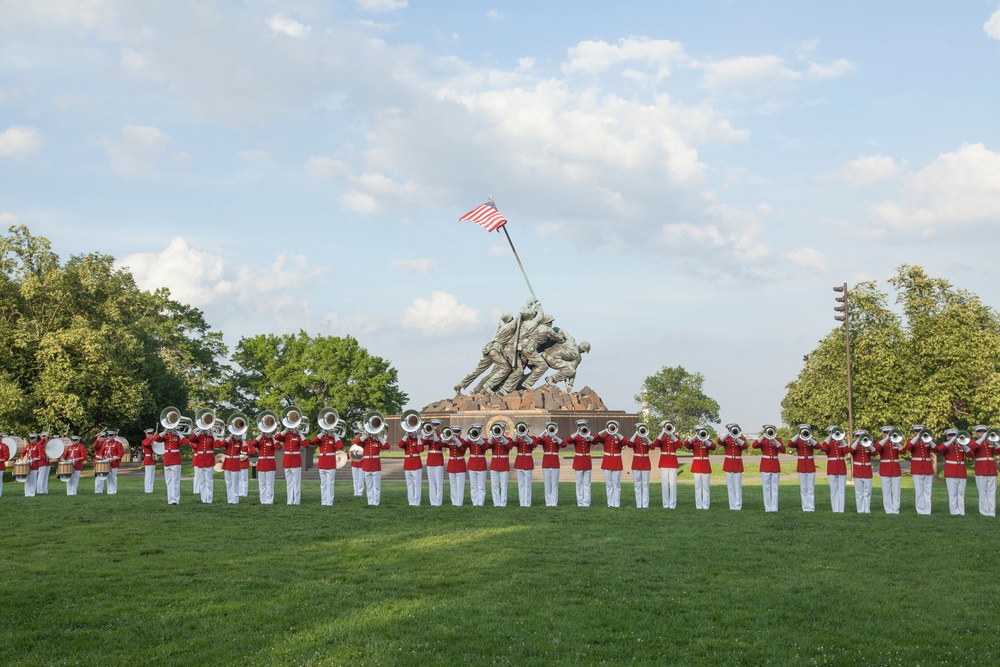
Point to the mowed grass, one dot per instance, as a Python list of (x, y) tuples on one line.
[(129, 580)]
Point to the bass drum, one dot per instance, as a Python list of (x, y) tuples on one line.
[(14, 444), (55, 447)]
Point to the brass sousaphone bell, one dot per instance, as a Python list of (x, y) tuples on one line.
[(410, 421)]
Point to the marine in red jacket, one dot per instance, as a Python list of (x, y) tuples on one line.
[(701, 445), (668, 442), (640, 444), (77, 454), (551, 444), (456, 467), (477, 447), (734, 444), (611, 463), (805, 465), (172, 443), (888, 449), (836, 466), (524, 464), (373, 447), (232, 455), (413, 468), (862, 453), (203, 445), (921, 448), (500, 447), (770, 445), (292, 443), (984, 449), (267, 466), (148, 460), (955, 449)]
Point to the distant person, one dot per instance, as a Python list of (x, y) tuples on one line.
[(668, 442), (583, 463), (955, 474), (985, 453), (862, 451), (500, 447), (551, 444), (413, 468), (172, 442), (770, 445), (734, 444), (701, 445), (921, 467), (76, 453), (477, 465), (611, 463), (148, 460), (889, 471), (640, 445), (456, 467), (524, 464), (836, 467), (373, 445)]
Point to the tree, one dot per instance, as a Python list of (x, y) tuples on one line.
[(83, 347), (313, 372), (675, 394), (938, 364)]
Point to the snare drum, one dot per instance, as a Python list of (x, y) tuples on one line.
[(22, 468), (65, 471), (102, 468)]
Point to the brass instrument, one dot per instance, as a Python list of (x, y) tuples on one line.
[(292, 417), (551, 428), (475, 432), (339, 431), (584, 430), (238, 424), (702, 434), (642, 430), (865, 441), (205, 419), (521, 429), (926, 436), (735, 431), (327, 419), (837, 434), (267, 422), (410, 421), (770, 433), (497, 430), (667, 426), (374, 422), (172, 420), (963, 439), (993, 435), (896, 437), (612, 427), (427, 429), (805, 433), (447, 433)]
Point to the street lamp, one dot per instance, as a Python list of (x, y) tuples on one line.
[(842, 317)]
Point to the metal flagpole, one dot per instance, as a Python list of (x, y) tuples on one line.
[(514, 250)]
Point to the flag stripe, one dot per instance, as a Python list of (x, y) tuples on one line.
[(486, 216)]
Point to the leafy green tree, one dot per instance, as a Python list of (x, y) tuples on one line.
[(675, 394), (314, 372), (938, 364), (84, 348)]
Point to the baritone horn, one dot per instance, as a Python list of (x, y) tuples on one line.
[(205, 419), (993, 435), (374, 422), (171, 419), (327, 419), (291, 417), (837, 433), (410, 421), (267, 422), (551, 428), (475, 432)]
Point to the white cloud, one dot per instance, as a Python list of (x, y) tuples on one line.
[(992, 25), (325, 168), (19, 141), (356, 325), (766, 73), (253, 155), (809, 258), (499, 250), (360, 202), (442, 316), (7, 218), (9, 95), (137, 150), (286, 26), (417, 266), (957, 188), (381, 6), (867, 170), (494, 14), (594, 57)]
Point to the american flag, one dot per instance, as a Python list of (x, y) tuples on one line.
[(486, 216)]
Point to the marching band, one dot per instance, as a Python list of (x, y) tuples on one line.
[(30, 461)]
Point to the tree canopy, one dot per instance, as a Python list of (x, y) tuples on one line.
[(937, 362), (675, 394), (314, 372)]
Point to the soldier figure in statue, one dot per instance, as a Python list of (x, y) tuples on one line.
[(564, 358)]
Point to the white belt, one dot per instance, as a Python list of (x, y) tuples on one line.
[(612, 453), (836, 458), (327, 453), (412, 455), (372, 457), (958, 463), (231, 456), (805, 458), (265, 457), (916, 459), (477, 456), (984, 459), (768, 456), (583, 454), (734, 456), (862, 463)]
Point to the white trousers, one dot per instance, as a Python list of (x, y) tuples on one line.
[(73, 483), (668, 484), (172, 479), (150, 476), (922, 485), (807, 491), (99, 484), (456, 484), (498, 485), (863, 495), (293, 485), (641, 484), (1, 485), (373, 484), (244, 482), (477, 487), (435, 485), (583, 488), (613, 487), (734, 484), (326, 479), (524, 487), (987, 487), (232, 478), (265, 485), (769, 481), (550, 478), (205, 483), (838, 487), (42, 483), (890, 494), (112, 483), (29, 484), (358, 476), (702, 490), (414, 482), (956, 495)]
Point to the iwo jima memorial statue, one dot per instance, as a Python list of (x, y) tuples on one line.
[(526, 347)]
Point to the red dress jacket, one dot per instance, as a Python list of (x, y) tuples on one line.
[(249, 450), (148, 458), (700, 464), (612, 459), (769, 450), (266, 449), (862, 459), (985, 453), (524, 460), (203, 450), (550, 450), (835, 453), (581, 445), (500, 461), (326, 455), (411, 452), (477, 454), (292, 443), (172, 443), (373, 453), (435, 450), (640, 456), (232, 447), (109, 448), (456, 455), (804, 450), (954, 459), (668, 445), (921, 456), (77, 454), (734, 453), (888, 455)]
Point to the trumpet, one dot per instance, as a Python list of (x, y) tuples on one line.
[(475, 432), (865, 441), (410, 421), (837, 434), (612, 427), (735, 431), (267, 422), (497, 430), (702, 434), (770, 432), (805, 433), (427, 429), (551, 428), (896, 437), (374, 422), (521, 429), (327, 419), (963, 439), (447, 433), (642, 430), (993, 435), (926, 436), (584, 430), (667, 426)]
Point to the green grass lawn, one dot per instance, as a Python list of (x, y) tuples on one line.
[(128, 580)]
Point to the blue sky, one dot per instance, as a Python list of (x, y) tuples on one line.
[(684, 181)]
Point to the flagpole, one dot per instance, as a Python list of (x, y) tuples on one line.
[(514, 250)]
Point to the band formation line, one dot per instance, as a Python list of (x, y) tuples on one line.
[(31, 461)]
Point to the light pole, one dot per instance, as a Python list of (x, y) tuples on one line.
[(842, 317)]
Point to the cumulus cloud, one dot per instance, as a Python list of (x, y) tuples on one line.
[(867, 170), (7, 218), (494, 14), (594, 57), (419, 266), (253, 155), (766, 73), (992, 25), (19, 141), (138, 150), (381, 6), (957, 188), (326, 168), (809, 258), (441, 316), (286, 26)]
